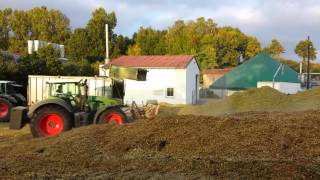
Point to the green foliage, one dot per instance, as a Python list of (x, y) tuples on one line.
[(8, 67), (212, 46), (150, 42), (253, 47), (50, 56), (77, 46), (120, 46), (37, 23), (42, 63), (4, 28), (96, 31), (230, 44), (302, 50), (134, 50), (79, 68), (275, 48), (49, 25), (195, 38)]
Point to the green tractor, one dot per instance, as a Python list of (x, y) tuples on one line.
[(69, 106), (10, 97)]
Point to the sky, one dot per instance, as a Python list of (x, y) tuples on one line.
[(289, 21)]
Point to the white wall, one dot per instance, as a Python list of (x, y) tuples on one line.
[(154, 88), (284, 87), (192, 85)]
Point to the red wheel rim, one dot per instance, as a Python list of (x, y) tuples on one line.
[(114, 118), (4, 110), (51, 124)]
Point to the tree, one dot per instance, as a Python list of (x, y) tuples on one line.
[(253, 47), (302, 50), (230, 45), (187, 38), (96, 32), (50, 56), (49, 25), (134, 50), (20, 27), (4, 28), (120, 46), (78, 68), (207, 58), (77, 45), (195, 38), (8, 67), (275, 48), (150, 41), (37, 23)]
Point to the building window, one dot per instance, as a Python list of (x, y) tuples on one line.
[(170, 92)]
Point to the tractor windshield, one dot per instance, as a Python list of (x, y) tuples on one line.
[(64, 88), (10, 88)]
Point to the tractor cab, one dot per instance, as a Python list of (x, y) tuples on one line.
[(74, 93), (9, 87), (10, 96)]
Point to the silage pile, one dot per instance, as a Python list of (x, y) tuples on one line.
[(245, 145), (261, 99)]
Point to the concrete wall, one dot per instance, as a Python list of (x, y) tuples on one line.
[(221, 93), (284, 87)]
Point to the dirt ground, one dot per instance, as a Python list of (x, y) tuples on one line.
[(244, 145)]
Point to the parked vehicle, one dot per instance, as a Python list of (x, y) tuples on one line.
[(10, 97), (68, 104)]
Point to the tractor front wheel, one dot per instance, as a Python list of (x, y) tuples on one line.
[(5, 108), (113, 116), (50, 121)]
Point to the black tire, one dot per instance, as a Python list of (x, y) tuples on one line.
[(117, 112), (42, 116), (22, 101), (7, 104)]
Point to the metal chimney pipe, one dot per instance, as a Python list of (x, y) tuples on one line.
[(107, 60)]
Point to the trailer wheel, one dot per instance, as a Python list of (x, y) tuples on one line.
[(5, 108), (50, 121), (113, 116)]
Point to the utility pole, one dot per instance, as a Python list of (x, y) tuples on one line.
[(308, 64)]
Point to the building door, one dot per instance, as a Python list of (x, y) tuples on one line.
[(196, 90)]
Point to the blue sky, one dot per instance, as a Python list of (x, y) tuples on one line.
[(286, 20)]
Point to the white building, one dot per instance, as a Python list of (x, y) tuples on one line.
[(35, 45), (170, 79), (261, 70)]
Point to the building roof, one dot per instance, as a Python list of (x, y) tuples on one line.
[(216, 71), (176, 61), (259, 68)]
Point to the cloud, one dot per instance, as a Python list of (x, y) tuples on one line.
[(286, 20)]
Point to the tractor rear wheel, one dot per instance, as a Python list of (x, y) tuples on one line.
[(50, 121), (5, 108), (113, 116)]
